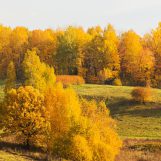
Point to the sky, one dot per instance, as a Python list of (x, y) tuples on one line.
[(139, 15)]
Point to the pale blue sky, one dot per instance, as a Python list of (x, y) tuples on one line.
[(140, 15)]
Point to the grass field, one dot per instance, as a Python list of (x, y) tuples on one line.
[(133, 120)]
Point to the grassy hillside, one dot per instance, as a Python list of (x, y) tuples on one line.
[(133, 120)]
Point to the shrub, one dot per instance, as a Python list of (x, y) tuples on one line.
[(80, 149), (141, 94), (101, 131), (80, 129), (74, 148), (70, 79), (117, 82)]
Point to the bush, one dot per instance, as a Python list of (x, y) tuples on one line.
[(73, 148), (70, 79), (117, 82), (80, 149), (142, 94), (80, 130)]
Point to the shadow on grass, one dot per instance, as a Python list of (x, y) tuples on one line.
[(21, 150), (143, 145), (123, 106), (146, 147), (155, 113)]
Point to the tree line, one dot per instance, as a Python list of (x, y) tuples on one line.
[(98, 55)]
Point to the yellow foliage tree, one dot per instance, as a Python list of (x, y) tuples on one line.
[(156, 48), (25, 113), (18, 45), (5, 33), (130, 50), (102, 53)]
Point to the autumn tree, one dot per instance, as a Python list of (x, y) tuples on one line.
[(156, 48), (95, 31), (18, 47), (111, 58), (11, 77), (145, 70), (102, 55), (25, 114), (5, 33), (69, 54), (130, 50), (93, 58), (45, 42), (36, 73)]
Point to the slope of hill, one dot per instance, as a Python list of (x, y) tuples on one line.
[(133, 120)]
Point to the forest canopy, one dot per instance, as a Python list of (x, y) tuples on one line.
[(96, 54)]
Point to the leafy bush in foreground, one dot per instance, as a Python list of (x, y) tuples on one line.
[(80, 129)]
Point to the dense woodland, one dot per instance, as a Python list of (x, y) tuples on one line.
[(98, 55)]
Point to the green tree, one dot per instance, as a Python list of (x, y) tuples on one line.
[(69, 54), (36, 73)]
